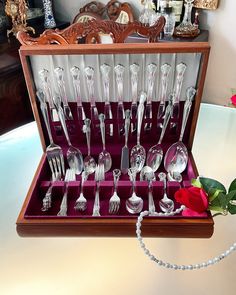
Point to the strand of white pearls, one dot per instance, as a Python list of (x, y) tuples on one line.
[(170, 265)]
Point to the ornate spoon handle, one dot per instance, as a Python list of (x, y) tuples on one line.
[(190, 93), (75, 72), (134, 69), (165, 71), (105, 70)]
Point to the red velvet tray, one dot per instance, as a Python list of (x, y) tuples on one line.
[(33, 222)]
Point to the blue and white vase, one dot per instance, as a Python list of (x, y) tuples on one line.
[(49, 21)]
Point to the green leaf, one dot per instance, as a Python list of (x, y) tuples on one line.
[(215, 208), (210, 185), (224, 200), (232, 186), (231, 207), (214, 194), (233, 90), (196, 183)]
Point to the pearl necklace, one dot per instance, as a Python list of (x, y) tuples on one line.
[(170, 265)]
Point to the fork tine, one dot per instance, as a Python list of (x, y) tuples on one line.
[(62, 163), (51, 166)]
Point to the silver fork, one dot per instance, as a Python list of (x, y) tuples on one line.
[(81, 202), (114, 202), (53, 151), (70, 176), (47, 200), (99, 175)]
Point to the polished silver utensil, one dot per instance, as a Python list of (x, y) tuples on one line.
[(70, 176), (134, 204), (74, 155), (105, 70), (166, 204), (89, 74), (151, 73), (148, 175), (134, 70), (138, 153), (59, 73), (47, 200), (46, 85), (89, 162), (81, 202), (75, 72), (114, 202), (176, 157), (53, 151), (125, 150), (104, 157), (99, 176), (155, 153), (180, 70), (119, 74), (165, 71)]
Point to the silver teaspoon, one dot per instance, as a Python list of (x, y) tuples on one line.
[(148, 175), (104, 157), (166, 204), (134, 204), (89, 162), (138, 153)]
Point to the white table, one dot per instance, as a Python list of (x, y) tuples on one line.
[(114, 265)]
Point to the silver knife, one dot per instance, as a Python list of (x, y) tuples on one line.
[(124, 165), (59, 72)]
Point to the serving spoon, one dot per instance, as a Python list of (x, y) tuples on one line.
[(138, 153), (155, 153), (176, 158), (74, 155)]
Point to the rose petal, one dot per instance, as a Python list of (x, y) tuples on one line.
[(233, 99), (190, 213)]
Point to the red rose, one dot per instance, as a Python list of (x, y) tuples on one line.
[(193, 198), (233, 100)]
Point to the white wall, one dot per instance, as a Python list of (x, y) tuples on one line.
[(221, 23)]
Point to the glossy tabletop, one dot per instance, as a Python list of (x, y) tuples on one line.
[(114, 265)]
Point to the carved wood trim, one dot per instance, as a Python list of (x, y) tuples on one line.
[(113, 10), (91, 30)]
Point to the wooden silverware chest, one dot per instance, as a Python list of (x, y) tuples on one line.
[(32, 221)]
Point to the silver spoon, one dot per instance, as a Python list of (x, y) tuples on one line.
[(104, 157), (138, 153), (148, 174), (176, 158), (89, 162), (134, 204), (74, 155), (166, 204), (155, 153)]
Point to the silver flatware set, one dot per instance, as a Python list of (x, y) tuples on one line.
[(133, 160)]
